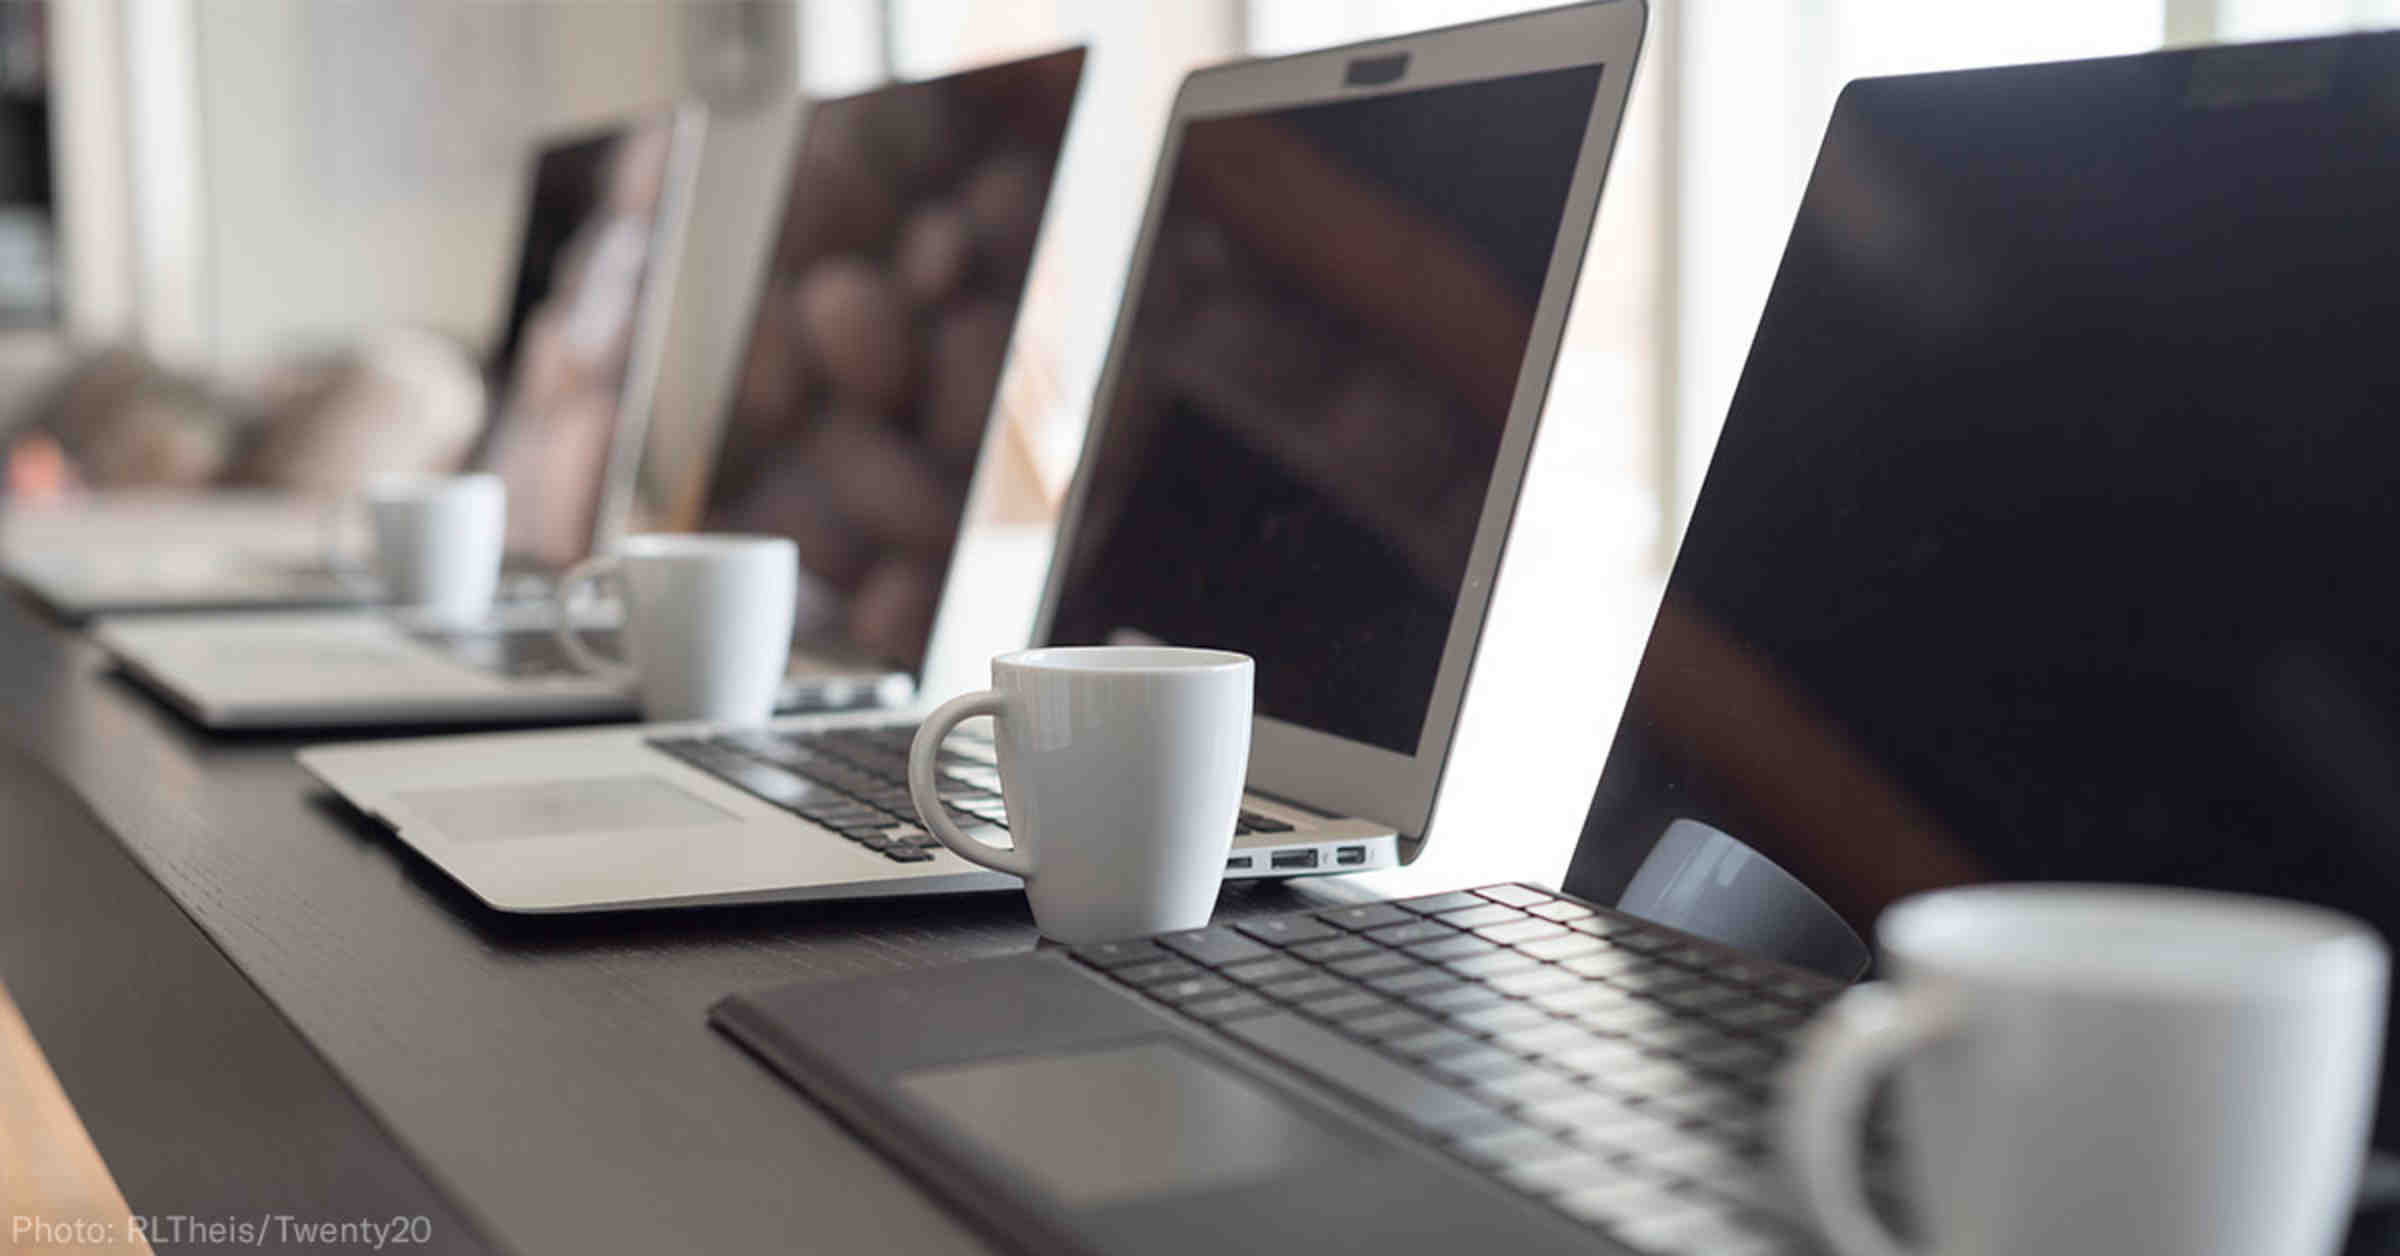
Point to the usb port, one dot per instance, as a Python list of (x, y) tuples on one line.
[(1237, 863), (1293, 859), (1349, 854)]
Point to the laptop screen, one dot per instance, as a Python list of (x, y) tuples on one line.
[(2050, 532), (877, 343), (590, 244), (1298, 443)]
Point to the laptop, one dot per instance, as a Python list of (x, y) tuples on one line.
[(2047, 537), (854, 425), (569, 382), (1298, 450)]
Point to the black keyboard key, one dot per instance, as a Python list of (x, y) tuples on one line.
[(1433, 904), (1365, 916), (1500, 1017), (1119, 954), (1611, 964), (1214, 946), (1340, 1062), (1228, 1007), (1583, 996), (1286, 930), (1480, 915), (1479, 1063), (1458, 998), (1529, 1087), (1187, 989), (900, 853), (1370, 965), (1412, 932), (1492, 965), (1514, 895), (1261, 971), (1455, 946), (1515, 931), (1534, 981), (1258, 822), (1565, 946), (1168, 969), (1334, 948), (1298, 989), (1549, 1040), (1589, 1117), (1410, 981)]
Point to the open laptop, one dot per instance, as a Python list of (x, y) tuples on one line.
[(854, 425), (568, 380), (1299, 449), (2048, 537)]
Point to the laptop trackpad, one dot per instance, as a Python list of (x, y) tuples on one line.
[(1123, 1124), (604, 804)]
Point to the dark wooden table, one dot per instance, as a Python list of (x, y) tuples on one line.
[(262, 1005)]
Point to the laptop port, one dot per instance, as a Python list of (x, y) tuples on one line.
[(1349, 854), (1237, 863), (1292, 859)]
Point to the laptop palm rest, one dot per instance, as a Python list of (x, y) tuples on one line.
[(1067, 1115), (479, 813)]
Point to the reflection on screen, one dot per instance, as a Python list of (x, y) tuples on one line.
[(878, 340), (590, 236), (2050, 534), (1299, 442)]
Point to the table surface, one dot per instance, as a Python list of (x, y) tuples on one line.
[(264, 1006)]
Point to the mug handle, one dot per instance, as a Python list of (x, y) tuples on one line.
[(927, 797), (591, 570), (1862, 1037)]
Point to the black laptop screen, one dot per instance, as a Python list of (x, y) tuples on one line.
[(1300, 438), (876, 346), (590, 244), (2051, 531)]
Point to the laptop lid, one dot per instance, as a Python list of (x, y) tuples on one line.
[(864, 394), (2049, 534), (1322, 388), (577, 354)]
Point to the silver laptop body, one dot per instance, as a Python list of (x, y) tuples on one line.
[(1371, 574)]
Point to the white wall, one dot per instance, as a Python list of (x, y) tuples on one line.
[(362, 164)]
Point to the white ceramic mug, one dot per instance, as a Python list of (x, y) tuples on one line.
[(2100, 1069), (438, 541), (1121, 768), (708, 623)]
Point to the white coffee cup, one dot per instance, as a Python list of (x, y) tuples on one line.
[(438, 542), (2119, 1070), (1121, 768), (708, 623)]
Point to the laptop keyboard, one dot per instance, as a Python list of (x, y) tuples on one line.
[(1616, 1071), (854, 781)]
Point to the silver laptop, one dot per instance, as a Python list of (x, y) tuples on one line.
[(1306, 445), (569, 382), (854, 425)]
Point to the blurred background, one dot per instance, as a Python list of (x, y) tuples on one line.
[(203, 202)]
